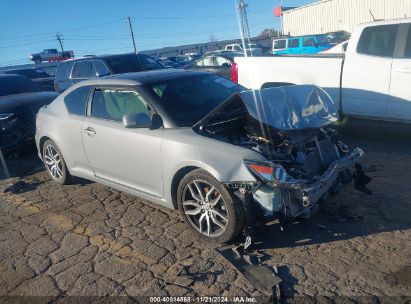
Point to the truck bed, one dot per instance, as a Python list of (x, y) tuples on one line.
[(275, 70)]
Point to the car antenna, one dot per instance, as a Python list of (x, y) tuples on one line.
[(372, 15)]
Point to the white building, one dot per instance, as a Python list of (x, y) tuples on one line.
[(335, 15)]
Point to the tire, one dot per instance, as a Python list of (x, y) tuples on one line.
[(54, 162), (215, 215), (37, 60)]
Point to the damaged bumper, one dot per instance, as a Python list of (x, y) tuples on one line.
[(310, 193), (291, 198)]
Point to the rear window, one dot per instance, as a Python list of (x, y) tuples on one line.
[(188, 99), (10, 85), (63, 70), (279, 44), (378, 40), (132, 63), (76, 101)]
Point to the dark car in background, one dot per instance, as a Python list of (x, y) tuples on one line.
[(20, 100), (75, 70), (38, 75), (216, 63)]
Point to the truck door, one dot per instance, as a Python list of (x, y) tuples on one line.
[(367, 72), (399, 103), (294, 46)]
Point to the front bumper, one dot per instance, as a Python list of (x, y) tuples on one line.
[(293, 198), (312, 192)]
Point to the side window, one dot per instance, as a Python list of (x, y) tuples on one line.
[(309, 41), (407, 53), (378, 40), (208, 61), (221, 61), (76, 101), (114, 104), (99, 69), (82, 69), (293, 43), (237, 48), (280, 44), (63, 71)]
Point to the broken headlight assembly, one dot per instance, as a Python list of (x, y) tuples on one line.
[(266, 171)]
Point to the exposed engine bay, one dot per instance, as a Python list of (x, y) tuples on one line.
[(291, 128), (303, 154)]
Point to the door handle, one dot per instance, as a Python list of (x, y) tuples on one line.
[(90, 131)]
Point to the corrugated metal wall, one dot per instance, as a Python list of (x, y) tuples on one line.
[(334, 15)]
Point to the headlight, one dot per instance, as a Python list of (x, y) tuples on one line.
[(6, 116), (266, 171)]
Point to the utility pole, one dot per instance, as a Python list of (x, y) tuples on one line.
[(241, 7), (132, 34), (59, 40)]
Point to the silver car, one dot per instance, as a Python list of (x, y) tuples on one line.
[(224, 156)]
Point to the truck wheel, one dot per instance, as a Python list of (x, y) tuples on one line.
[(37, 60), (208, 208)]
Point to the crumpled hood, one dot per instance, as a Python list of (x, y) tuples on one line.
[(284, 108)]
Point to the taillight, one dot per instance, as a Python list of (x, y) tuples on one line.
[(234, 72), (268, 172)]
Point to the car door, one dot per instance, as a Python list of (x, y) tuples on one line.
[(128, 157), (82, 70), (367, 72), (399, 103)]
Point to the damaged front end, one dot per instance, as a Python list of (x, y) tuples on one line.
[(305, 159)]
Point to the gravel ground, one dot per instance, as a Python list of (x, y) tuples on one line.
[(86, 239)]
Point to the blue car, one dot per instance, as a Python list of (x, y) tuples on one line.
[(312, 44)]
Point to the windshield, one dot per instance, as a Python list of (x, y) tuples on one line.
[(188, 99), (323, 40), (10, 85), (132, 63)]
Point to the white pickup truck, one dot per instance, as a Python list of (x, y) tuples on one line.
[(372, 79)]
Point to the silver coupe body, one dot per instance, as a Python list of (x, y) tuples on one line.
[(199, 143)]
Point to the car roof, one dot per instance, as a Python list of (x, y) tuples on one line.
[(91, 57), (139, 78)]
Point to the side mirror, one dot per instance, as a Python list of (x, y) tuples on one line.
[(137, 120)]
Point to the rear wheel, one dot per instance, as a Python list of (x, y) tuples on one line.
[(54, 163), (208, 208)]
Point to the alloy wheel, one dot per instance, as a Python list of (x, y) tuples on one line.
[(205, 208), (53, 163)]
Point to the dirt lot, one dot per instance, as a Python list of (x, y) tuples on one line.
[(89, 240)]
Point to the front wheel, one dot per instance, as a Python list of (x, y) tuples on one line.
[(208, 207), (54, 163)]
